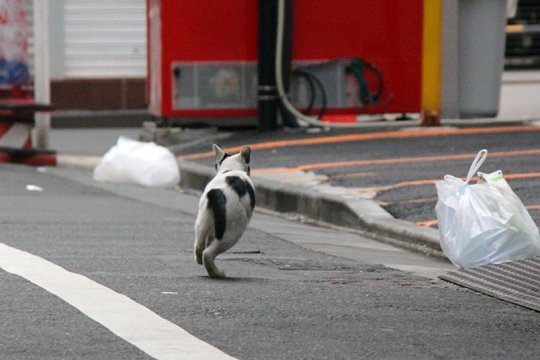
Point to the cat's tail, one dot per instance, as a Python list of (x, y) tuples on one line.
[(217, 202)]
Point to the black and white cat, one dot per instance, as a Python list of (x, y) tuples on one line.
[(225, 208)]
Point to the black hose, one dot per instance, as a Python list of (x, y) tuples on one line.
[(313, 81), (324, 99), (311, 84), (356, 66)]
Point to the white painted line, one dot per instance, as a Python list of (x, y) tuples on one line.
[(127, 319), (31, 187), (431, 272)]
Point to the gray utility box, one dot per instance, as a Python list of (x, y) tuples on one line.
[(473, 57), (233, 85)]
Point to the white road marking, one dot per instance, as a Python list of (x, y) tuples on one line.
[(127, 319), (31, 187)]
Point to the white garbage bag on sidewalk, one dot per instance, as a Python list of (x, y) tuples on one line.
[(141, 163), (483, 223)]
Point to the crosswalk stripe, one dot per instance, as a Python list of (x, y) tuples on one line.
[(138, 325)]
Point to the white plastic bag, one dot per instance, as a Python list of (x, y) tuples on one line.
[(135, 162), (483, 223)]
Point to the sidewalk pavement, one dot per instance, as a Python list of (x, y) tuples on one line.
[(82, 149), (314, 203)]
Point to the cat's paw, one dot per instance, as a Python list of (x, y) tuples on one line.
[(198, 256), (219, 274)]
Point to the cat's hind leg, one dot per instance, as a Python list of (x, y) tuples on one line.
[(202, 231), (198, 253), (209, 255)]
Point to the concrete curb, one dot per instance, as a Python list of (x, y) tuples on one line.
[(78, 161), (360, 215)]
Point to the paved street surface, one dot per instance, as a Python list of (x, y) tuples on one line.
[(103, 271), (282, 300), (395, 167)]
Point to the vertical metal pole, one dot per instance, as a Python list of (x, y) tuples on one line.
[(42, 91), (450, 60), (267, 101), (431, 63)]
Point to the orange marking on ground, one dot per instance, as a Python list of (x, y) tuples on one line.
[(431, 181), (522, 176), (404, 160), (368, 136), (415, 183), (427, 223), (435, 222), (413, 201), (355, 175), (280, 170)]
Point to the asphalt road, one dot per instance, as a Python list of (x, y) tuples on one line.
[(282, 301), (397, 167)]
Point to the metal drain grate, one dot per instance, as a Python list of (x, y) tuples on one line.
[(517, 281)]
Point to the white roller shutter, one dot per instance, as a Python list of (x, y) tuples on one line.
[(29, 7), (105, 38)]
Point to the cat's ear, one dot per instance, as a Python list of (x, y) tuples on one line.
[(245, 153), (219, 153)]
